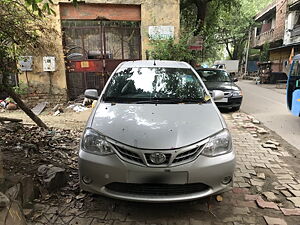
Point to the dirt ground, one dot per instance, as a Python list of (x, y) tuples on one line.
[(67, 120)]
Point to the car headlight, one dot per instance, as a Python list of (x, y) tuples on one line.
[(95, 143), (218, 144), (237, 93)]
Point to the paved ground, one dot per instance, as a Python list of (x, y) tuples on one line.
[(266, 191), (269, 105)]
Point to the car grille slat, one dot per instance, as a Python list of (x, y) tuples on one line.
[(129, 154), (157, 189), (186, 155)]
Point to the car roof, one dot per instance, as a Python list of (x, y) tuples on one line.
[(155, 63)]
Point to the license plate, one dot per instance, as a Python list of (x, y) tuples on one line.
[(158, 177), (222, 100)]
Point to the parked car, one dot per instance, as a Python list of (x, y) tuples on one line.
[(216, 79), (156, 136)]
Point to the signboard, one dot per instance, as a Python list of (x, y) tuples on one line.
[(49, 64), (25, 63), (196, 43), (161, 32)]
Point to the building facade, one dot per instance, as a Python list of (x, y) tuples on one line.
[(280, 28), (270, 31), (91, 39)]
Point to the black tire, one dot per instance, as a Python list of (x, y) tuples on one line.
[(237, 108)]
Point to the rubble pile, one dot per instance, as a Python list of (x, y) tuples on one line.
[(40, 164)]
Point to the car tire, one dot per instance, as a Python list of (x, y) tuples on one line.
[(234, 109)]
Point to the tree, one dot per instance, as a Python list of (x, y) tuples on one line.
[(194, 12), (229, 29), (21, 29), (171, 50)]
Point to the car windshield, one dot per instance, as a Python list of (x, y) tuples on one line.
[(163, 85), (214, 76)]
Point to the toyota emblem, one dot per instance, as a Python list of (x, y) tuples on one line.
[(158, 158)]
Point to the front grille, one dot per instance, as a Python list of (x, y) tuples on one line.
[(157, 189), (173, 157), (129, 154), (186, 155), (168, 157)]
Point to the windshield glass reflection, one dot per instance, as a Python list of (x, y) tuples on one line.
[(142, 84), (214, 76)]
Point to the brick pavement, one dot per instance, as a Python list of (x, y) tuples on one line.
[(266, 191)]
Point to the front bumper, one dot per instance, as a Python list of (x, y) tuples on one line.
[(232, 103), (105, 173)]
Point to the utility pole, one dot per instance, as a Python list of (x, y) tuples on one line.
[(247, 52)]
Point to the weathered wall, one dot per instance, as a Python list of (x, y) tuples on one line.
[(153, 13), (53, 83), (280, 58)]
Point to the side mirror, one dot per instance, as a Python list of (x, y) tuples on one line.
[(91, 94), (235, 80), (218, 95)]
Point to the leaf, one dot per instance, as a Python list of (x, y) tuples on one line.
[(219, 198)]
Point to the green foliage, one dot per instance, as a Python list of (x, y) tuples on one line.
[(22, 89), (227, 25), (172, 50), (194, 12), (264, 54)]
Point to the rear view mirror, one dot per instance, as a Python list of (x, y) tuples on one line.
[(235, 80), (218, 95), (91, 94)]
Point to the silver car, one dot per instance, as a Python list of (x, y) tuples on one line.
[(156, 135)]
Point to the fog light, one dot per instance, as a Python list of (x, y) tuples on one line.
[(86, 180), (227, 180)]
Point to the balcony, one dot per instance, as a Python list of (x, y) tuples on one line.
[(265, 37)]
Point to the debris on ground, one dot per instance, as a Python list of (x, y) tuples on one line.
[(8, 104), (219, 198), (77, 108), (261, 176), (52, 177), (4, 200), (39, 108), (271, 146), (87, 102), (58, 112), (272, 142), (3, 119), (58, 107), (270, 196)]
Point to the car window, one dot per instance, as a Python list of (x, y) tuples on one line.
[(214, 76), (296, 69), (133, 84)]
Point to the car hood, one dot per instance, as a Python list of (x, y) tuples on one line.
[(221, 86), (161, 126)]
